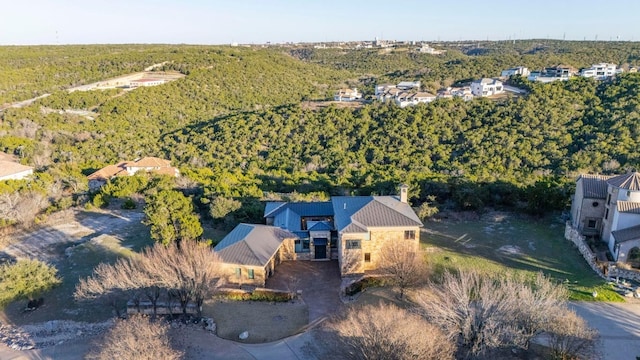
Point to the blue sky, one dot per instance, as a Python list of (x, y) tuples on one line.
[(252, 21)]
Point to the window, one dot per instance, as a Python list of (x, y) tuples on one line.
[(608, 199), (595, 204), (250, 274), (353, 244), (238, 272), (302, 245), (591, 224), (410, 235), (606, 214), (367, 257)]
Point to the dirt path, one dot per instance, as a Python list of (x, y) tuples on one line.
[(79, 226)]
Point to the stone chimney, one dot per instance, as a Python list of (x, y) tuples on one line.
[(404, 193)]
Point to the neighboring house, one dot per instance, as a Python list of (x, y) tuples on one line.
[(609, 207), (382, 88), (519, 71), (426, 49), (601, 71), (347, 95), (486, 87), (352, 229), (128, 168), (450, 92), (145, 82), (555, 73), (10, 170), (409, 99), (408, 85)]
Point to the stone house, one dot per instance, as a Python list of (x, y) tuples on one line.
[(250, 252), (351, 229), (608, 207)]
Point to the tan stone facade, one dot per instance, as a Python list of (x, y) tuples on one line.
[(367, 256), (231, 273)]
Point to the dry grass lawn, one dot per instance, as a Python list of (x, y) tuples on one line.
[(265, 321)]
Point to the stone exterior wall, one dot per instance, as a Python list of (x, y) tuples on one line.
[(573, 235), (287, 252), (259, 274), (590, 212), (353, 260), (616, 272), (611, 270)]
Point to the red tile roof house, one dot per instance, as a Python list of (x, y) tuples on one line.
[(128, 168), (352, 229)]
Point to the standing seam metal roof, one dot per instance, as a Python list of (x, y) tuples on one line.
[(357, 213), (252, 244), (320, 208)]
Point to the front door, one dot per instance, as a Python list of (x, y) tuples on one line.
[(321, 251), (320, 248)]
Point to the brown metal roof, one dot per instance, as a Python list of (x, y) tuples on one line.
[(628, 207), (630, 181), (627, 234), (594, 186)]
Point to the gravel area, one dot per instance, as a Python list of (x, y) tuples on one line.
[(50, 333)]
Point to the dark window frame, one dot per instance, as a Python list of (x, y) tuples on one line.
[(409, 234)]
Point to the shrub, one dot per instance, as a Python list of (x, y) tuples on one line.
[(128, 204), (136, 338), (365, 282), (26, 279), (100, 200), (388, 332)]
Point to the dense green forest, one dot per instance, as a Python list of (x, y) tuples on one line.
[(236, 128)]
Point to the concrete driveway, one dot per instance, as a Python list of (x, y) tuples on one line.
[(618, 325), (318, 280)]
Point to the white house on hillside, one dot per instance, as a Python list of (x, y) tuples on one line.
[(600, 71), (520, 70), (609, 206), (409, 99), (486, 87), (408, 85), (347, 95)]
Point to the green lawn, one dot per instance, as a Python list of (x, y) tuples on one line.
[(503, 242)]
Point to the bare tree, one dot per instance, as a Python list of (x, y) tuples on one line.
[(536, 302), (405, 265), (569, 336), (388, 332), (485, 312), (191, 272), (136, 338)]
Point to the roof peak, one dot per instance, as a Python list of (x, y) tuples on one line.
[(628, 181)]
